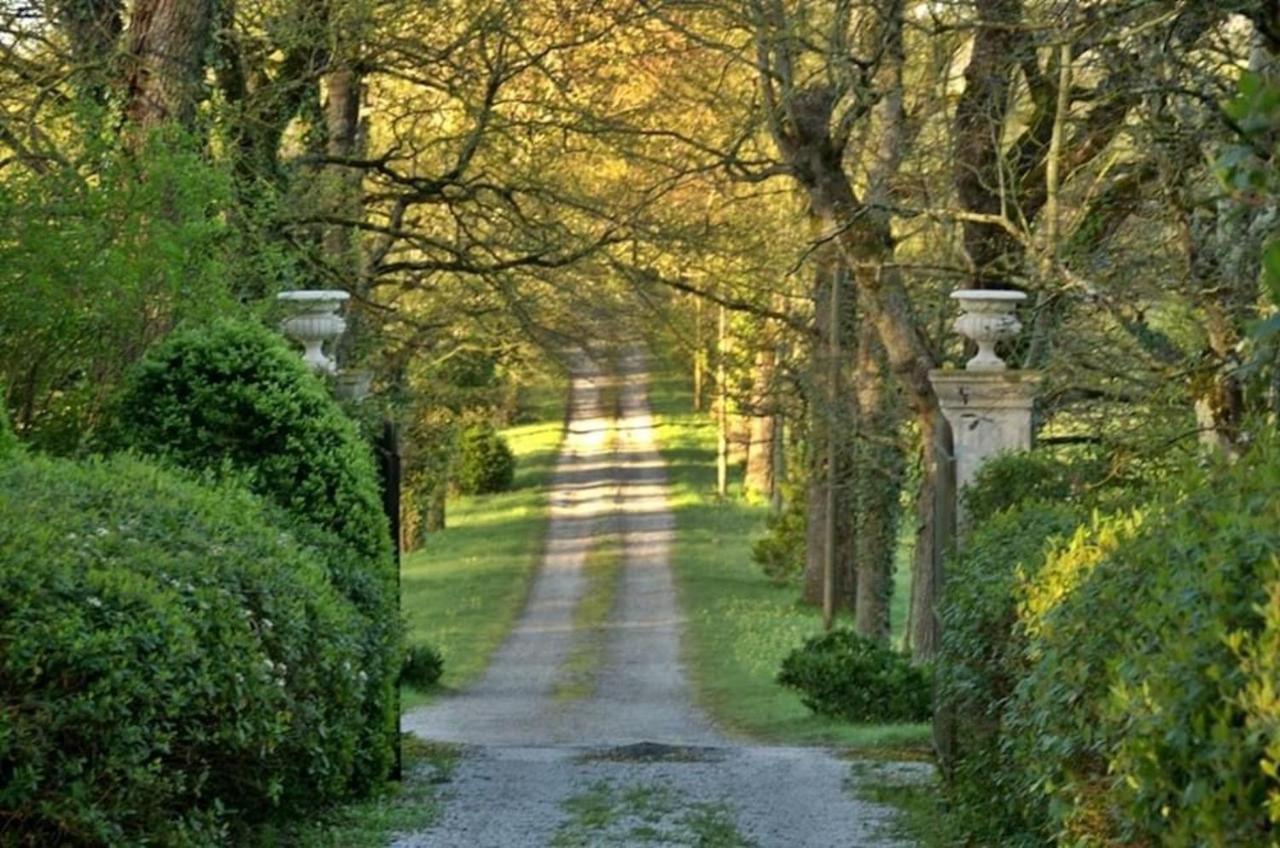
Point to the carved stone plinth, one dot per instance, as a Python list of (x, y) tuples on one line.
[(990, 413)]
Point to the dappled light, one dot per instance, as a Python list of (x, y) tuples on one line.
[(553, 423)]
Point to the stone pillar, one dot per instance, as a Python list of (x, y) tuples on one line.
[(988, 405)]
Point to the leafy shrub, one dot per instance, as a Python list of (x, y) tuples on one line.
[(1038, 475), (1132, 701), (100, 253), (980, 661), (232, 394), (172, 662), (780, 552), (423, 666), (231, 399), (485, 462), (1159, 630), (844, 675)]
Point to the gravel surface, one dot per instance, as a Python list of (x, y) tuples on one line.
[(635, 762)]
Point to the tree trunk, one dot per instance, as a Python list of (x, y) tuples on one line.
[(722, 406), (699, 348), (878, 480), (981, 178), (831, 433), (93, 29), (343, 89), (167, 42), (760, 479)]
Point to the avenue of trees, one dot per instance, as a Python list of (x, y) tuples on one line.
[(783, 192)]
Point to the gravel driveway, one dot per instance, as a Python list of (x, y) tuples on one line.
[(633, 761)]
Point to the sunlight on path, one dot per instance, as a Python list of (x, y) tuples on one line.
[(633, 761)]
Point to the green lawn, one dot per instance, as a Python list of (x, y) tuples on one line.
[(463, 591), (741, 625)]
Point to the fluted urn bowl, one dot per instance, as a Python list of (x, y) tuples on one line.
[(988, 318), (315, 322)]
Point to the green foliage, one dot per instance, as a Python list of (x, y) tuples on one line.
[(1045, 475), (981, 659), (1172, 736), (844, 675), (485, 462), (780, 552), (422, 668), (99, 256), (231, 399), (232, 394), (1132, 700), (9, 445), (174, 667)]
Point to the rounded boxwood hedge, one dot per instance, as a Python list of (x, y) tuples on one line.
[(231, 399), (232, 394), (174, 667), (850, 677)]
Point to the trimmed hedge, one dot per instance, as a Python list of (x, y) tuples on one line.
[(174, 666), (232, 400), (980, 661), (233, 394), (1141, 705), (847, 676)]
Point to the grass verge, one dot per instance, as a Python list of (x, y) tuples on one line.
[(741, 625), (603, 569), (464, 589), (921, 819)]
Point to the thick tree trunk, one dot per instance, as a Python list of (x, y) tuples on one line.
[(981, 178), (343, 89), (866, 244), (879, 482), (167, 43)]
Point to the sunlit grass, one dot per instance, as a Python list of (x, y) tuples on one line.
[(741, 624), (463, 591), (603, 572)]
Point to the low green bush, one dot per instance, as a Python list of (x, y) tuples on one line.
[(174, 667), (846, 676), (780, 552), (423, 666), (485, 462), (231, 399)]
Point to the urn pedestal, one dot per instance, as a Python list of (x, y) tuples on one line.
[(989, 406), (315, 322)]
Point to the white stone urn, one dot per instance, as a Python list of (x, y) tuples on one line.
[(315, 322), (988, 318)]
